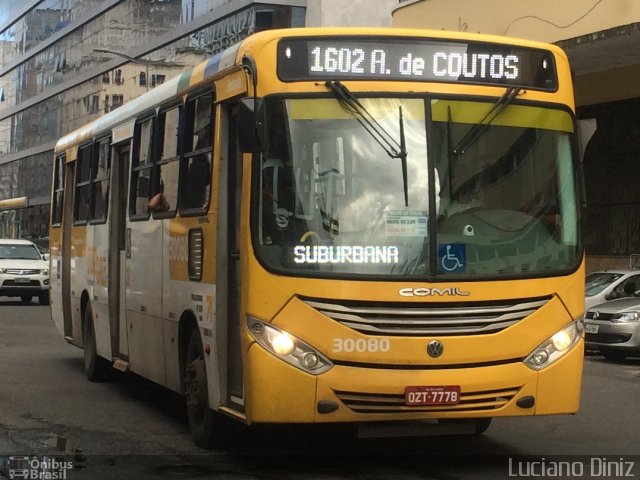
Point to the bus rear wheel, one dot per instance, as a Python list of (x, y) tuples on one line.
[(96, 368), (201, 417)]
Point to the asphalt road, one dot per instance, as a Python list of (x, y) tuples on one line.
[(131, 428)]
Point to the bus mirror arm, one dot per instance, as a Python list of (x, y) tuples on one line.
[(251, 125)]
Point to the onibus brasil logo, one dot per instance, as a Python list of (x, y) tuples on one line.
[(37, 468)]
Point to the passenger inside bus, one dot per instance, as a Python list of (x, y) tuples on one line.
[(158, 202)]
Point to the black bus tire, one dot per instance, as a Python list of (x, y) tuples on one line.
[(201, 417), (96, 368)]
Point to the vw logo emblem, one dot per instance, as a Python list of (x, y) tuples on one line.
[(435, 348), (596, 314)]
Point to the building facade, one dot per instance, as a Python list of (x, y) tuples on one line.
[(63, 63), (601, 38)]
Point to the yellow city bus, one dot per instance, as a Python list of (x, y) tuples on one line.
[(372, 227)]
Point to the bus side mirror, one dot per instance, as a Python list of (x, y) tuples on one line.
[(251, 125)]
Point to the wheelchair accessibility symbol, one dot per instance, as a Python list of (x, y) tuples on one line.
[(452, 257)]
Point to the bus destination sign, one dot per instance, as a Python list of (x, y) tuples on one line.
[(418, 60)]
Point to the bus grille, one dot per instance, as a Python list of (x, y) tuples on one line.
[(370, 403), (420, 319)]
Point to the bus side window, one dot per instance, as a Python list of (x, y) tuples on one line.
[(141, 170), (58, 191), (100, 179), (82, 198), (164, 198), (196, 168)]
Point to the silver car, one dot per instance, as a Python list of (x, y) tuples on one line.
[(614, 328), (608, 285)]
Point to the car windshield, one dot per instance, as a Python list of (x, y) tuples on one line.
[(14, 251), (331, 200), (598, 281)]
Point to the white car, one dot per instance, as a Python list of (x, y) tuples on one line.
[(610, 284), (24, 272)]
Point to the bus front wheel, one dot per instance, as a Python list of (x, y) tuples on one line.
[(201, 417), (96, 368)]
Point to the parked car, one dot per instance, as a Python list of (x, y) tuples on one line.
[(24, 272), (614, 328), (609, 285)]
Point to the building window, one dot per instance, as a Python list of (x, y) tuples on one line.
[(117, 77), (106, 78), (94, 103), (264, 20), (61, 62), (116, 101), (157, 80)]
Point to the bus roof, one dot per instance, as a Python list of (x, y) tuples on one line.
[(252, 45)]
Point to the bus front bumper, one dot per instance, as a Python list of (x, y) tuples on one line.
[(280, 393)]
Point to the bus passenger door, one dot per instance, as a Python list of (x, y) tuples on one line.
[(228, 282), (117, 247)]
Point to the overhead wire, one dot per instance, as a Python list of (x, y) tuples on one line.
[(598, 2)]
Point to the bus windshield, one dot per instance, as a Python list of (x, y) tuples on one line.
[(331, 202)]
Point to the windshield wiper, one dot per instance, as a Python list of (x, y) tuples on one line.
[(387, 142), (479, 129)]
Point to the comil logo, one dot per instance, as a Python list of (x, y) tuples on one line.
[(433, 292)]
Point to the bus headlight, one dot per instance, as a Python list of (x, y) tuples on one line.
[(555, 347), (282, 343), (289, 348)]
